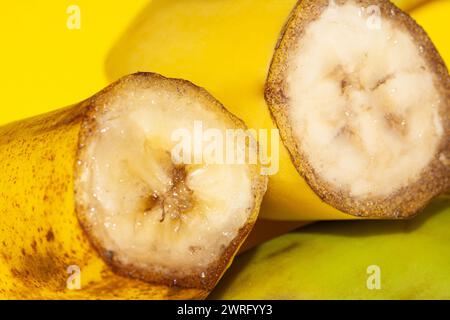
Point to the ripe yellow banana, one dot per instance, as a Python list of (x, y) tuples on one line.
[(349, 260), (90, 197), (356, 88)]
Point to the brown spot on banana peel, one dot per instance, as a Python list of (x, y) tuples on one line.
[(41, 270), (34, 246), (50, 236)]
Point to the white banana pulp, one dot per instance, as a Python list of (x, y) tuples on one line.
[(149, 212), (363, 103)]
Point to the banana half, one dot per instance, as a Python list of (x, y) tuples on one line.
[(95, 185), (148, 217), (361, 98)]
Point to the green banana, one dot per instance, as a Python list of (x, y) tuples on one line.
[(349, 260)]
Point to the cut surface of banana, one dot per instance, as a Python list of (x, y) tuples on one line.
[(150, 217), (362, 101)]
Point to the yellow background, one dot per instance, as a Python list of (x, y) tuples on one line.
[(45, 65)]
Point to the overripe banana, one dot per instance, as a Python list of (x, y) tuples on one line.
[(357, 89), (94, 186), (349, 260)]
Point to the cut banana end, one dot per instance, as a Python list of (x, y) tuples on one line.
[(152, 219), (362, 100)]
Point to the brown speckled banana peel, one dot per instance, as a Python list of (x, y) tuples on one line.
[(368, 126), (59, 204)]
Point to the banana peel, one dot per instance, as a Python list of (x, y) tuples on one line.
[(227, 47), (341, 260)]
